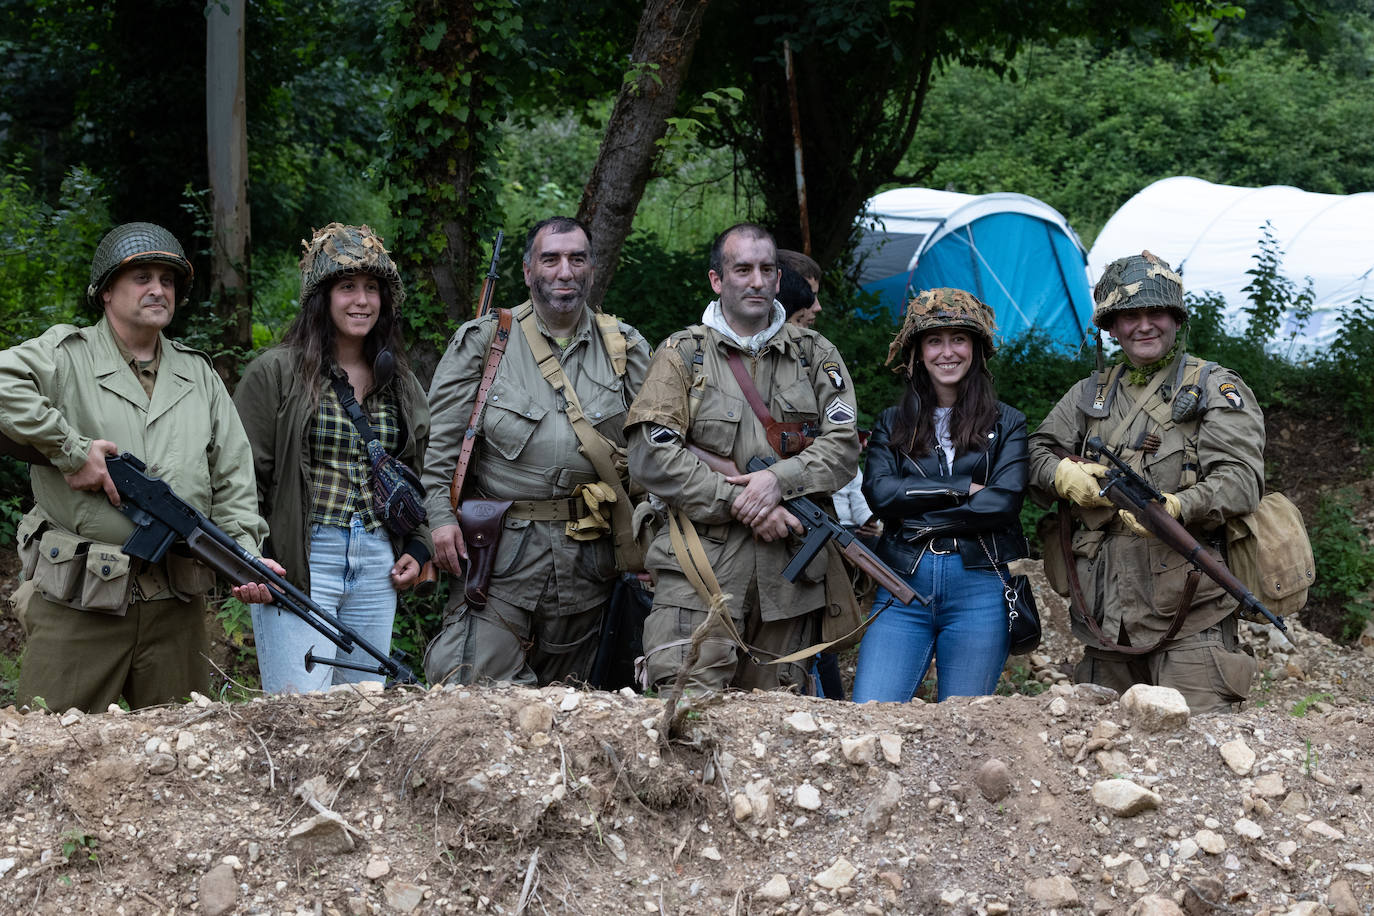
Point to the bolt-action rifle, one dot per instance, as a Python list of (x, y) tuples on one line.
[(820, 528), (1128, 490), (161, 518), (489, 282)]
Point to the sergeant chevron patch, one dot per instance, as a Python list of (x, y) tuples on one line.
[(839, 411)]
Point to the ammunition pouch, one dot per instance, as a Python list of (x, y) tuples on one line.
[(76, 572)]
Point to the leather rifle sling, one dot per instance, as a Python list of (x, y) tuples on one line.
[(495, 350), (595, 446), (1078, 606)]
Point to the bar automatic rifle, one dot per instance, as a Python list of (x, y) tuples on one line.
[(161, 518), (820, 528), (1128, 490)]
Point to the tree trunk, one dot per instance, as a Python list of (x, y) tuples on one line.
[(664, 41), (227, 136)]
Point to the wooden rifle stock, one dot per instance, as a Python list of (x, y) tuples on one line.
[(1129, 491), (820, 528), (25, 453)]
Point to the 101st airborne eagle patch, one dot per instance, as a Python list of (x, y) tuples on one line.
[(832, 372), (1232, 395)]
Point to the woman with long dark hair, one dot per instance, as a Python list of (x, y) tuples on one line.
[(946, 473), (313, 472)]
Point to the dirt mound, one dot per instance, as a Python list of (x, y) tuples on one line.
[(513, 800)]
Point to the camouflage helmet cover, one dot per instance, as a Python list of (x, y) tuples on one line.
[(136, 243), (338, 249), (941, 308), (1138, 281)]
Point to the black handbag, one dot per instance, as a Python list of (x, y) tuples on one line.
[(1023, 619), (397, 495)]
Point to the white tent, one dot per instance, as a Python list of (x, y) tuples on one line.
[(1211, 233)]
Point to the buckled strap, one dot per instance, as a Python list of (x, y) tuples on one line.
[(943, 545), (548, 510)]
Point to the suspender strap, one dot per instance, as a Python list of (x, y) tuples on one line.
[(599, 450), (495, 350)]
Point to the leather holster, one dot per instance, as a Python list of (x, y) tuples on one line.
[(481, 521)]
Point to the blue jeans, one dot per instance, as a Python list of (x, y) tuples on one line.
[(350, 577), (959, 616)]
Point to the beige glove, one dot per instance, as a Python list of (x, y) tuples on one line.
[(1171, 506), (597, 498), (1078, 482)]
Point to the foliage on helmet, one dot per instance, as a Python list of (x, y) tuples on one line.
[(337, 250), (1137, 281), (137, 243), (941, 308)]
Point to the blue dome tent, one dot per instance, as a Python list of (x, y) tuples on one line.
[(1014, 252)]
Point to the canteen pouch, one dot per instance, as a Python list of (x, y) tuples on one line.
[(1269, 552), (481, 521)]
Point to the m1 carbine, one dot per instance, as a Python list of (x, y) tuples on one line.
[(820, 528), (1128, 490), (161, 518)]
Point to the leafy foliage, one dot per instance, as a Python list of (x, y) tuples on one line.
[(1136, 120), (1341, 549)]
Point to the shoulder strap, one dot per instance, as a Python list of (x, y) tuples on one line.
[(615, 342), (1139, 405), (781, 436), (598, 449), (344, 391), (495, 350)]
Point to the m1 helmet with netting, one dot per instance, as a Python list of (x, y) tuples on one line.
[(1137, 281), (941, 308), (337, 250), (137, 243)]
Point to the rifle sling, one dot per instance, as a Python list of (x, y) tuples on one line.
[(598, 449), (775, 432), (1078, 607), (495, 350)]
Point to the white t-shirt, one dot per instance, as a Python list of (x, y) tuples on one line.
[(942, 433)]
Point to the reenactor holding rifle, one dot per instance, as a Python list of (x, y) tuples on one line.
[(1194, 432)]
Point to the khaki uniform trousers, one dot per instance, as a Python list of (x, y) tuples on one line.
[(502, 642), (668, 636), (1211, 669), (156, 653)]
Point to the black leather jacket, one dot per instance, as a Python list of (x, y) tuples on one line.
[(922, 503)]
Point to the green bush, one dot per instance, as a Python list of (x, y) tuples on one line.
[(1344, 559)]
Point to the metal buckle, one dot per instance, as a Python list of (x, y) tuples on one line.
[(944, 553)]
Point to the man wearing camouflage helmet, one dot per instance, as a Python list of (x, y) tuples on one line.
[(1190, 427), (100, 625)]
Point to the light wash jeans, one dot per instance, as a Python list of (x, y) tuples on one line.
[(959, 616), (350, 577)]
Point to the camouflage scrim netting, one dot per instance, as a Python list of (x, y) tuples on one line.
[(137, 243), (1137, 281), (338, 249), (941, 308)]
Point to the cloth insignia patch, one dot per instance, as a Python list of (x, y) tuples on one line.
[(662, 435), (838, 411), (832, 372), (1232, 395)]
